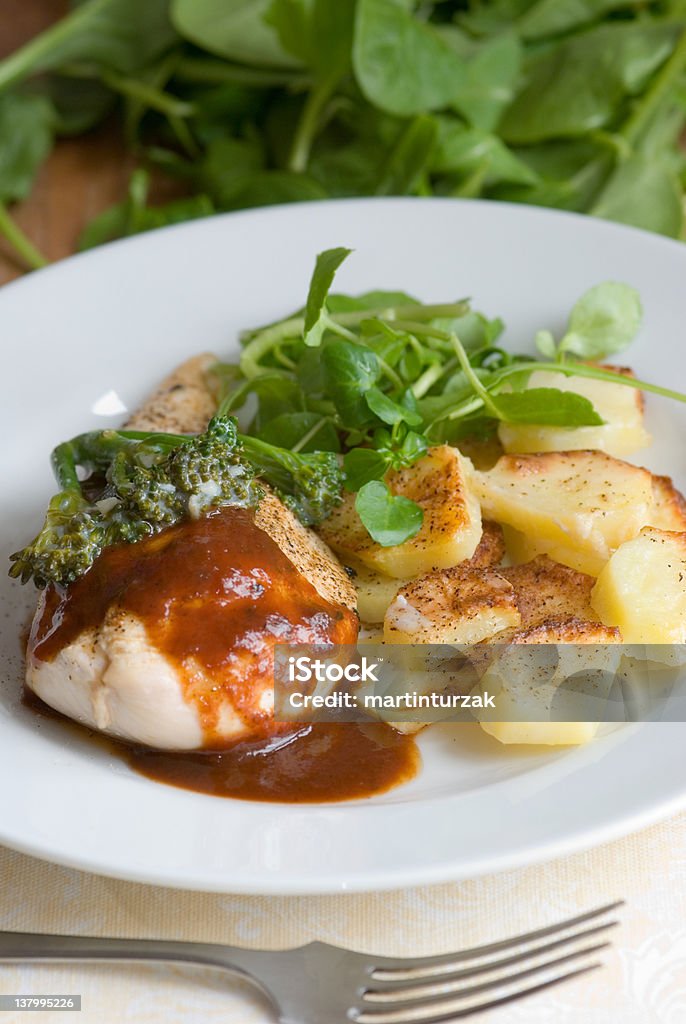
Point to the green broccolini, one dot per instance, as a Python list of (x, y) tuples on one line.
[(150, 481)]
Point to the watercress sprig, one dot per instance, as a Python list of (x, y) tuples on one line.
[(380, 377)]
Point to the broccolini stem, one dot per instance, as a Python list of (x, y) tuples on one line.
[(64, 468)]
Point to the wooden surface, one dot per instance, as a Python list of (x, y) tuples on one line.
[(81, 177)]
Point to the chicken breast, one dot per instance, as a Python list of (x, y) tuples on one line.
[(170, 642)]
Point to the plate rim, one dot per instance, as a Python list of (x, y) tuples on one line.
[(645, 813)]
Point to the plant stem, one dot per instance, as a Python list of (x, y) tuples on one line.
[(309, 121), (23, 246), (473, 379), (663, 81), (219, 72), (308, 435), (581, 370), (154, 98)]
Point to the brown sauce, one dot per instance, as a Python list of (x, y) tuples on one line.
[(216, 596), (323, 762)]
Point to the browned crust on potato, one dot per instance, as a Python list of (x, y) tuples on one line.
[(670, 505), (491, 547)]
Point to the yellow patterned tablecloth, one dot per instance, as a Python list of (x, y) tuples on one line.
[(643, 982)]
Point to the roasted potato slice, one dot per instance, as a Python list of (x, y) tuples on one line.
[(579, 506), (451, 530)]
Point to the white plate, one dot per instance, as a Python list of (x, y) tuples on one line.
[(99, 330)]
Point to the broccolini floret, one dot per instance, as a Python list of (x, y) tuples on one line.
[(309, 484), (150, 481)]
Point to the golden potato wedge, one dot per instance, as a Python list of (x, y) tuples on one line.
[(642, 589), (579, 506), (451, 530)]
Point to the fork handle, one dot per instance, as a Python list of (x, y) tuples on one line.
[(36, 946)]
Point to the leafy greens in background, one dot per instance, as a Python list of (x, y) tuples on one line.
[(579, 106)]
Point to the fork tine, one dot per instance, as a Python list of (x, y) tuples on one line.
[(396, 969), (403, 987), (442, 999), (490, 1004)]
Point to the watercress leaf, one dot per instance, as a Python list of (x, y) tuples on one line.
[(269, 187), (288, 430), (644, 192), (389, 519), (105, 227), (577, 85), (389, 411), (402, 64), (317, 32), (545, 343), (364, 464), (325, 269), (550, 17), (473, 329), (548, 406), (490, 77), (235, 29), (226, 167), (276, 394), (603, 321), (413, 447), (127, 218), (350, 371), (77, 108), (26, 127), (409, 158), (462, 150), (121, 35), (378, 300)]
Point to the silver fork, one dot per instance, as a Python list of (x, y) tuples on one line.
[(322, 984)]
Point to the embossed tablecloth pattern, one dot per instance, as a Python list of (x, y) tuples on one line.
[(643, 982)]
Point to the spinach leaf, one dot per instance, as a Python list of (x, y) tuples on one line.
[(26, 129), (409, 158), (462, 150), (389, 519), (269, 187), (490, 77), (133, 216), (644, 192), (402, 64), (577, 85), (235, 29), (548, 406), (551, 17), (317, 32), (325, 269), (122, 35)]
